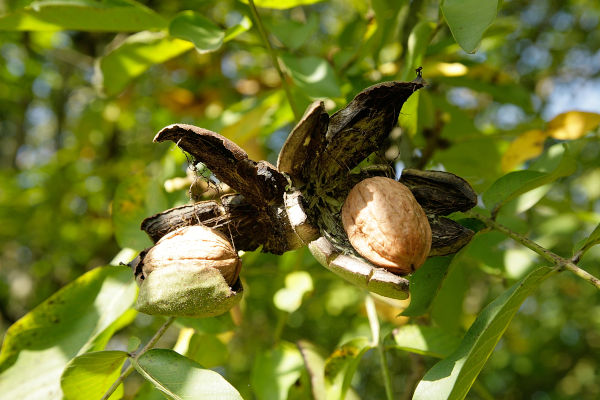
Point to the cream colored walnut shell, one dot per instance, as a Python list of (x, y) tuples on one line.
[(386, 225), (192, 271)]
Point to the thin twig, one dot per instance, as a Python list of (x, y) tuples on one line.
[(265, 38), (377, 341), (147, 347), (560, 263)]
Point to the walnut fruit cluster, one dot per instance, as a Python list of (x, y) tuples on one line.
[(192, 271), (386, 225)]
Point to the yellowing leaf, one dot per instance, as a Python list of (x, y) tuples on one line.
[(572, 124), (529, 145), (446, 69)]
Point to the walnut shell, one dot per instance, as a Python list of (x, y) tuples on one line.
[(386, 225), (192, 272), (195, 245)]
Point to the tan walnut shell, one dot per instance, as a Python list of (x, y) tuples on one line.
[(192, 271), (386, 225)]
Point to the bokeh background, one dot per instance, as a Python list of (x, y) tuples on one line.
[(70, 154)]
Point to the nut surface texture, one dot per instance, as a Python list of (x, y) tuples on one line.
[(386, 225), (192, 272), (197, 246)]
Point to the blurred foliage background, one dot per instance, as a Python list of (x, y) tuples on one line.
[(77, 144)]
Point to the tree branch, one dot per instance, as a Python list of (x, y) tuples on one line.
[(559, 262), (265, 38), (377, 341), (147, 347)]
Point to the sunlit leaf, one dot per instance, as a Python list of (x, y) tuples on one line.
[(528, 145), (341, 366), (469, 19), (37, 348), (452, 377), (275, 371), (213, 325), (313, 75), (197, 29), (297, 284), (197, 350), (83, 15), (426, 340), (134, 56), (282, 4), (418, 40), (314, 361), (244, 25), (446, 309), (424, 284), (178, 377), (510, 183), (516, 183), (572, 124), (90, 375), (409, 117)]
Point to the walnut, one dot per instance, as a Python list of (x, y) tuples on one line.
[(198, 246), (192, 271), (386, 225)]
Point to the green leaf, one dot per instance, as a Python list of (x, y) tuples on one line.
[(197, 29), (197, 350), (388, 27), (136, 197), (313, 75), (475, 159), (149, 392), (315, 365), (99, 342), (83, 15), (38, 346), (134, 56), (469, 19), (514, 184), (418, 40), (452, 377), (282, 4), (294, 34), (425, 283), (213, 325), (90, 375), (244, 25), (509, 186), (446, 309), (426, 340), (297, 284), (275, 371), (178, 377), (341, 366), (133, 343), (409, 117), (591, 241)]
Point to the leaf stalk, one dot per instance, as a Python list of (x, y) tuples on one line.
[(137, 355), (274, 59), (560, 263)]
